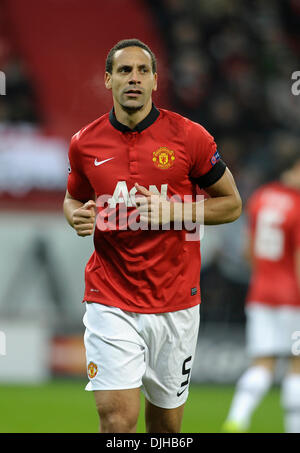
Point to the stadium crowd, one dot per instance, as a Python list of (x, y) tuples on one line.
[(230, 69), (19, 104)]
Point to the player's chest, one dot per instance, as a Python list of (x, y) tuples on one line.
[(135, 158)]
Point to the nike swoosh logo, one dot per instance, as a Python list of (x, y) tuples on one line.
[(102, 161), (180, 393)]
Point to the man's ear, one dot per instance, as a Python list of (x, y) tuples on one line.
[(155, 82), (107, 80)]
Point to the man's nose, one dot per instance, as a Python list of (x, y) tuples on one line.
[(134, 77)]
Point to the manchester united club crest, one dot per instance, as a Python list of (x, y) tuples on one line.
[(163, 158), (92, 370)]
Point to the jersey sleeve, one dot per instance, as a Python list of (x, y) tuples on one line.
[(206, 165), (78, 185)]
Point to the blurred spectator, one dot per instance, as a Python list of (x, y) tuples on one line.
[(19, 101), (190, 79), (231, 64)]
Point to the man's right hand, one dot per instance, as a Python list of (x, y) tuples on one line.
[(84, 218)]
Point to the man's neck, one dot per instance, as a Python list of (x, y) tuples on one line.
[(132, 119)]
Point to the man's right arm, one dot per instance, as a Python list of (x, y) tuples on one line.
[(81, 216)]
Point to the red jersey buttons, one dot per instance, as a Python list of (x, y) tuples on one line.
[(131, 136), (133, 165)]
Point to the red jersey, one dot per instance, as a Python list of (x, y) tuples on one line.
[(142, 271), (274, 219)]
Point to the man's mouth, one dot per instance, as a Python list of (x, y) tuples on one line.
[(133, 92)]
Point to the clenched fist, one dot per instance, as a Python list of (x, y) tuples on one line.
[(154, 209), (84, 219)]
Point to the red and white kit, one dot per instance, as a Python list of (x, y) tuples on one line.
[(274, 215), (143, 271), (273, 301)]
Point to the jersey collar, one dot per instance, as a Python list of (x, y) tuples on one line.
[(146, 122)]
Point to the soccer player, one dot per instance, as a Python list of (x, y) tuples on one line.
[(273, 301), (142, 289)]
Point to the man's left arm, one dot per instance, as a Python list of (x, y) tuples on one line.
[(224, 204)]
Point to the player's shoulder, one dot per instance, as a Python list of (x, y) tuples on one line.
[(192, 128), (256, 196), (273, 193), (87, 130), (263, 188), (277, 189)]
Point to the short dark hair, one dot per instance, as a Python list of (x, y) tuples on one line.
[(128, 43)]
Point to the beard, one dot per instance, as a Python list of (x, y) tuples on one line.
[(131, 110)]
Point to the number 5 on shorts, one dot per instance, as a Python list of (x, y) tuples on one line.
[(185, 371)]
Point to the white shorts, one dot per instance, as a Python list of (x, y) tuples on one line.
[(269, 329), (127, 350)]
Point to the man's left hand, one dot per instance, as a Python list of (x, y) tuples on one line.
[(153, 208)]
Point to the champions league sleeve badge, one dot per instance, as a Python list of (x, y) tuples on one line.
[(215, 158)]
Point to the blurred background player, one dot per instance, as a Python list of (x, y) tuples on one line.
[(273, 302)]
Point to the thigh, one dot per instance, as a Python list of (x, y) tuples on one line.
[(261, 331), (114, 350), (294, 365), (268, 362), (118, 410), (169, 356), (160, 420), (270, 330), (288, 325)]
